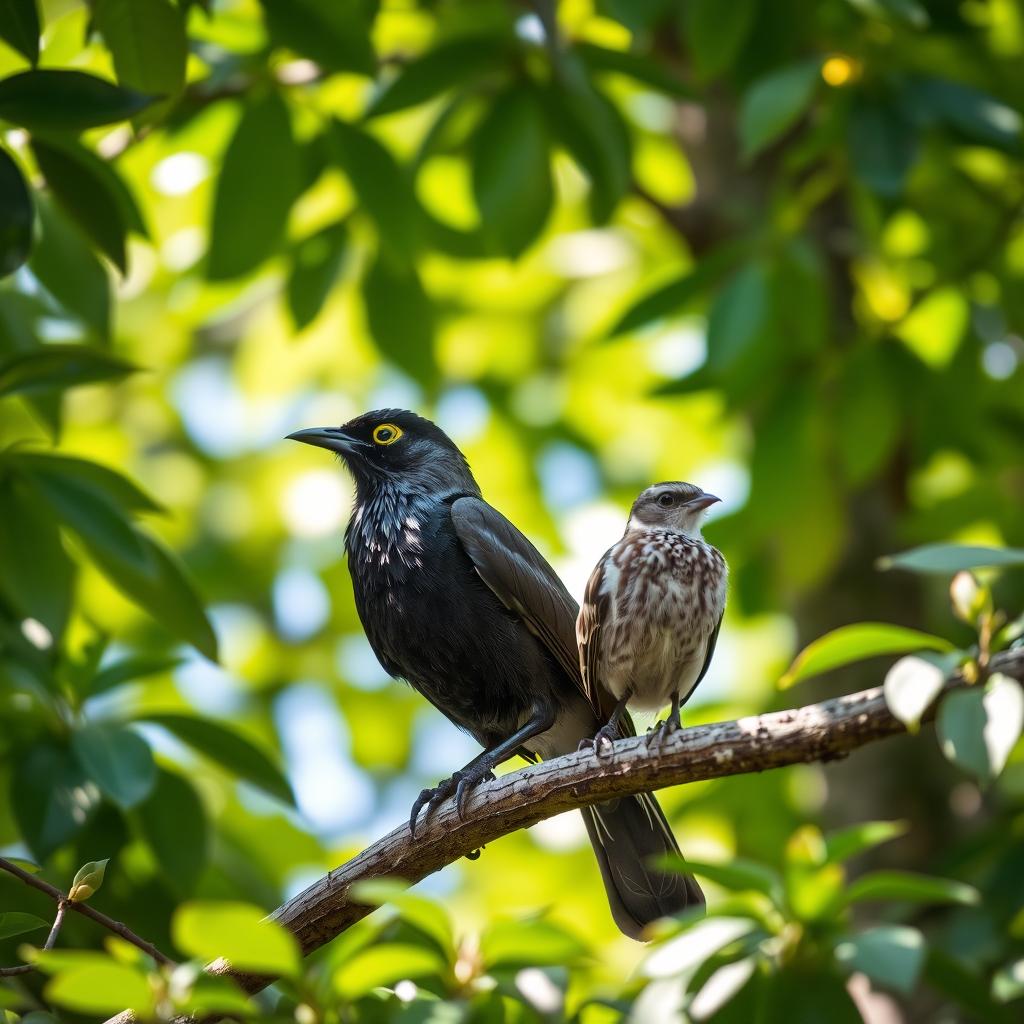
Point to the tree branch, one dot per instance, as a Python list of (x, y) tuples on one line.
[(62, 901), (51, 939), (816, 732)]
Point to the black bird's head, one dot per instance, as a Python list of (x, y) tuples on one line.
[(395, 449)]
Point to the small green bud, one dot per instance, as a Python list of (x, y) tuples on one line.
[(88, 879)]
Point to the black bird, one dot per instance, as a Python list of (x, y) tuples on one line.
[(458, 602)]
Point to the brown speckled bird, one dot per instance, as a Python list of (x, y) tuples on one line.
[(652, 608)]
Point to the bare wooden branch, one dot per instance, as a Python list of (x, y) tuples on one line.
[(816, 732), (61, 899)]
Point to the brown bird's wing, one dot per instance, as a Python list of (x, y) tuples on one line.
[(712, 641), (588, 636), (521, 578)]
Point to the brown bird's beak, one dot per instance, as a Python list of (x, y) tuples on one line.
[(702, 501), (334, 439)]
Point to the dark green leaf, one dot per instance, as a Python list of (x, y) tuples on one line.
[(229, 749), (848, 842), (856, 642), (512, 172), (975, 115), (51, 797), (438, 70), (738, 315), (384, 191), (334, 34), (947, 559), (15, 923), (774, 103), (909, 887), (15, 215), (105, 482), (425, 914), (19, 26), (715, 34), (173, 823), (147, 41), (128, 670), (70, 272), (58, 367), (36, 575), (259, 178), (637, 66), (49, 100), (161, 587), (401, 318), (979, 727), (316, 263), (92, 194), (807, 996), (737, 874), (100, 525), (883, 146), (118, 760), (891, 955)]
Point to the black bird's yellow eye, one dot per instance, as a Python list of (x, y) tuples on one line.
[(386, 433)]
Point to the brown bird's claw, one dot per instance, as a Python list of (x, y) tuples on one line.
[(603, 743), (658, 734)]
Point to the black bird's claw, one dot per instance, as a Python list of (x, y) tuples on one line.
[(460, 784)]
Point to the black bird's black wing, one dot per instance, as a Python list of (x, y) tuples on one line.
[(520, 578)]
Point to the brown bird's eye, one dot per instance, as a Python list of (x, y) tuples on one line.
[(386, 433), (666, 500)]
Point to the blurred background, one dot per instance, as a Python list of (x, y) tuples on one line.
[(775, 249)]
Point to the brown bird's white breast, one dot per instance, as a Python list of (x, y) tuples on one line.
[(663, 595)]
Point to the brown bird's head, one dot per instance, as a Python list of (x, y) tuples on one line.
[(673, 505)]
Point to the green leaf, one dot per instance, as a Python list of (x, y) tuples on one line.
[(715, 37), (424, 914), (1008, 982), (890, 955), (530, 943), (384, 191), (848, 842), (738, 874), (19, 27), (15, 923), (91, 193), (49, 100), (975, 115), (51, 797), (102, 988), (70, 272), (737, 316), (161, 587), (979, 728), (947, 559), (639, 67), (334, 34), (912, 685), (807, 995), (118, 760), (400, 317), (15, 215), (855, 643), (315, 265), (883, 146), (26, 865), (259, 178), (128, 670), (58, 366), (909, 887), (106, 483), (512, 172), (447, 65), (229, 749), (386, 964), (774, 103), (173, 823), (239, 933), (147, 41), (88, 879), (36, 574)]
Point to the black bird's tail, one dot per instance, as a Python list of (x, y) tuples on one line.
[(626, 835)]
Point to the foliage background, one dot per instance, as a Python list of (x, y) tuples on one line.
[(773, 248)]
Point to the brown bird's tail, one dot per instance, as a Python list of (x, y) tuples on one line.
[(627, 834)]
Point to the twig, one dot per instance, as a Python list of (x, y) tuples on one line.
[(10, 972), (85, 910), (816, 732)]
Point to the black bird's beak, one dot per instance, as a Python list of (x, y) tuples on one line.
[(702, 501), (334, 439)]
